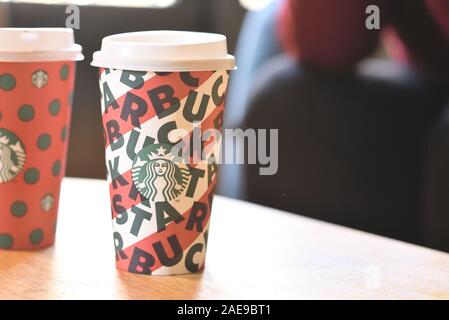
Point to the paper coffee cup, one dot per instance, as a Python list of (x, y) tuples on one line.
[(37, 72), (160, 88)]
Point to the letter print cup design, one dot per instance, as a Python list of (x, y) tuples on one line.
[(161, 206), (12, 155)]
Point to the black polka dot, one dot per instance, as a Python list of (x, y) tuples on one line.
[(6, 241), (55, 107), (26, 113), (18, 209), (31, 176), (44, 141), (36, 236), (56, 169)]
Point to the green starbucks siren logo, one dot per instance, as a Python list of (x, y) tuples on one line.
[(12, 155), (156, 176)]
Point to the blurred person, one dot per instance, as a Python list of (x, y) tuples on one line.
[(362, 143), (333, 34), (258, 42)]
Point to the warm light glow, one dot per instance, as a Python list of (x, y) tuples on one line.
[(115, 3), (255, 4)]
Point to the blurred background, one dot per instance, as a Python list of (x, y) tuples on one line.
[(364, 136)]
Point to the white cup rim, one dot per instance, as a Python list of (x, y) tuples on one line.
[(38, 44), (164, 50)]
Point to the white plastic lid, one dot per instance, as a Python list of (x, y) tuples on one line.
[(164, 51), (38, 44)]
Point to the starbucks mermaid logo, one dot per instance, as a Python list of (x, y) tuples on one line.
[(157, 177), (12, 156)]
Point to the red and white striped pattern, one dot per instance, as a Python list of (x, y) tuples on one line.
[(150, 125)]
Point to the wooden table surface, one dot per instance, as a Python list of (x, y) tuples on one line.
[(254, 253)]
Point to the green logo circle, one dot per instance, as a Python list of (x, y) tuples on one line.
[(12, 156), (155, 174)]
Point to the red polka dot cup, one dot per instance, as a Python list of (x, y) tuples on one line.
[(159, 89), (37, 73)]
